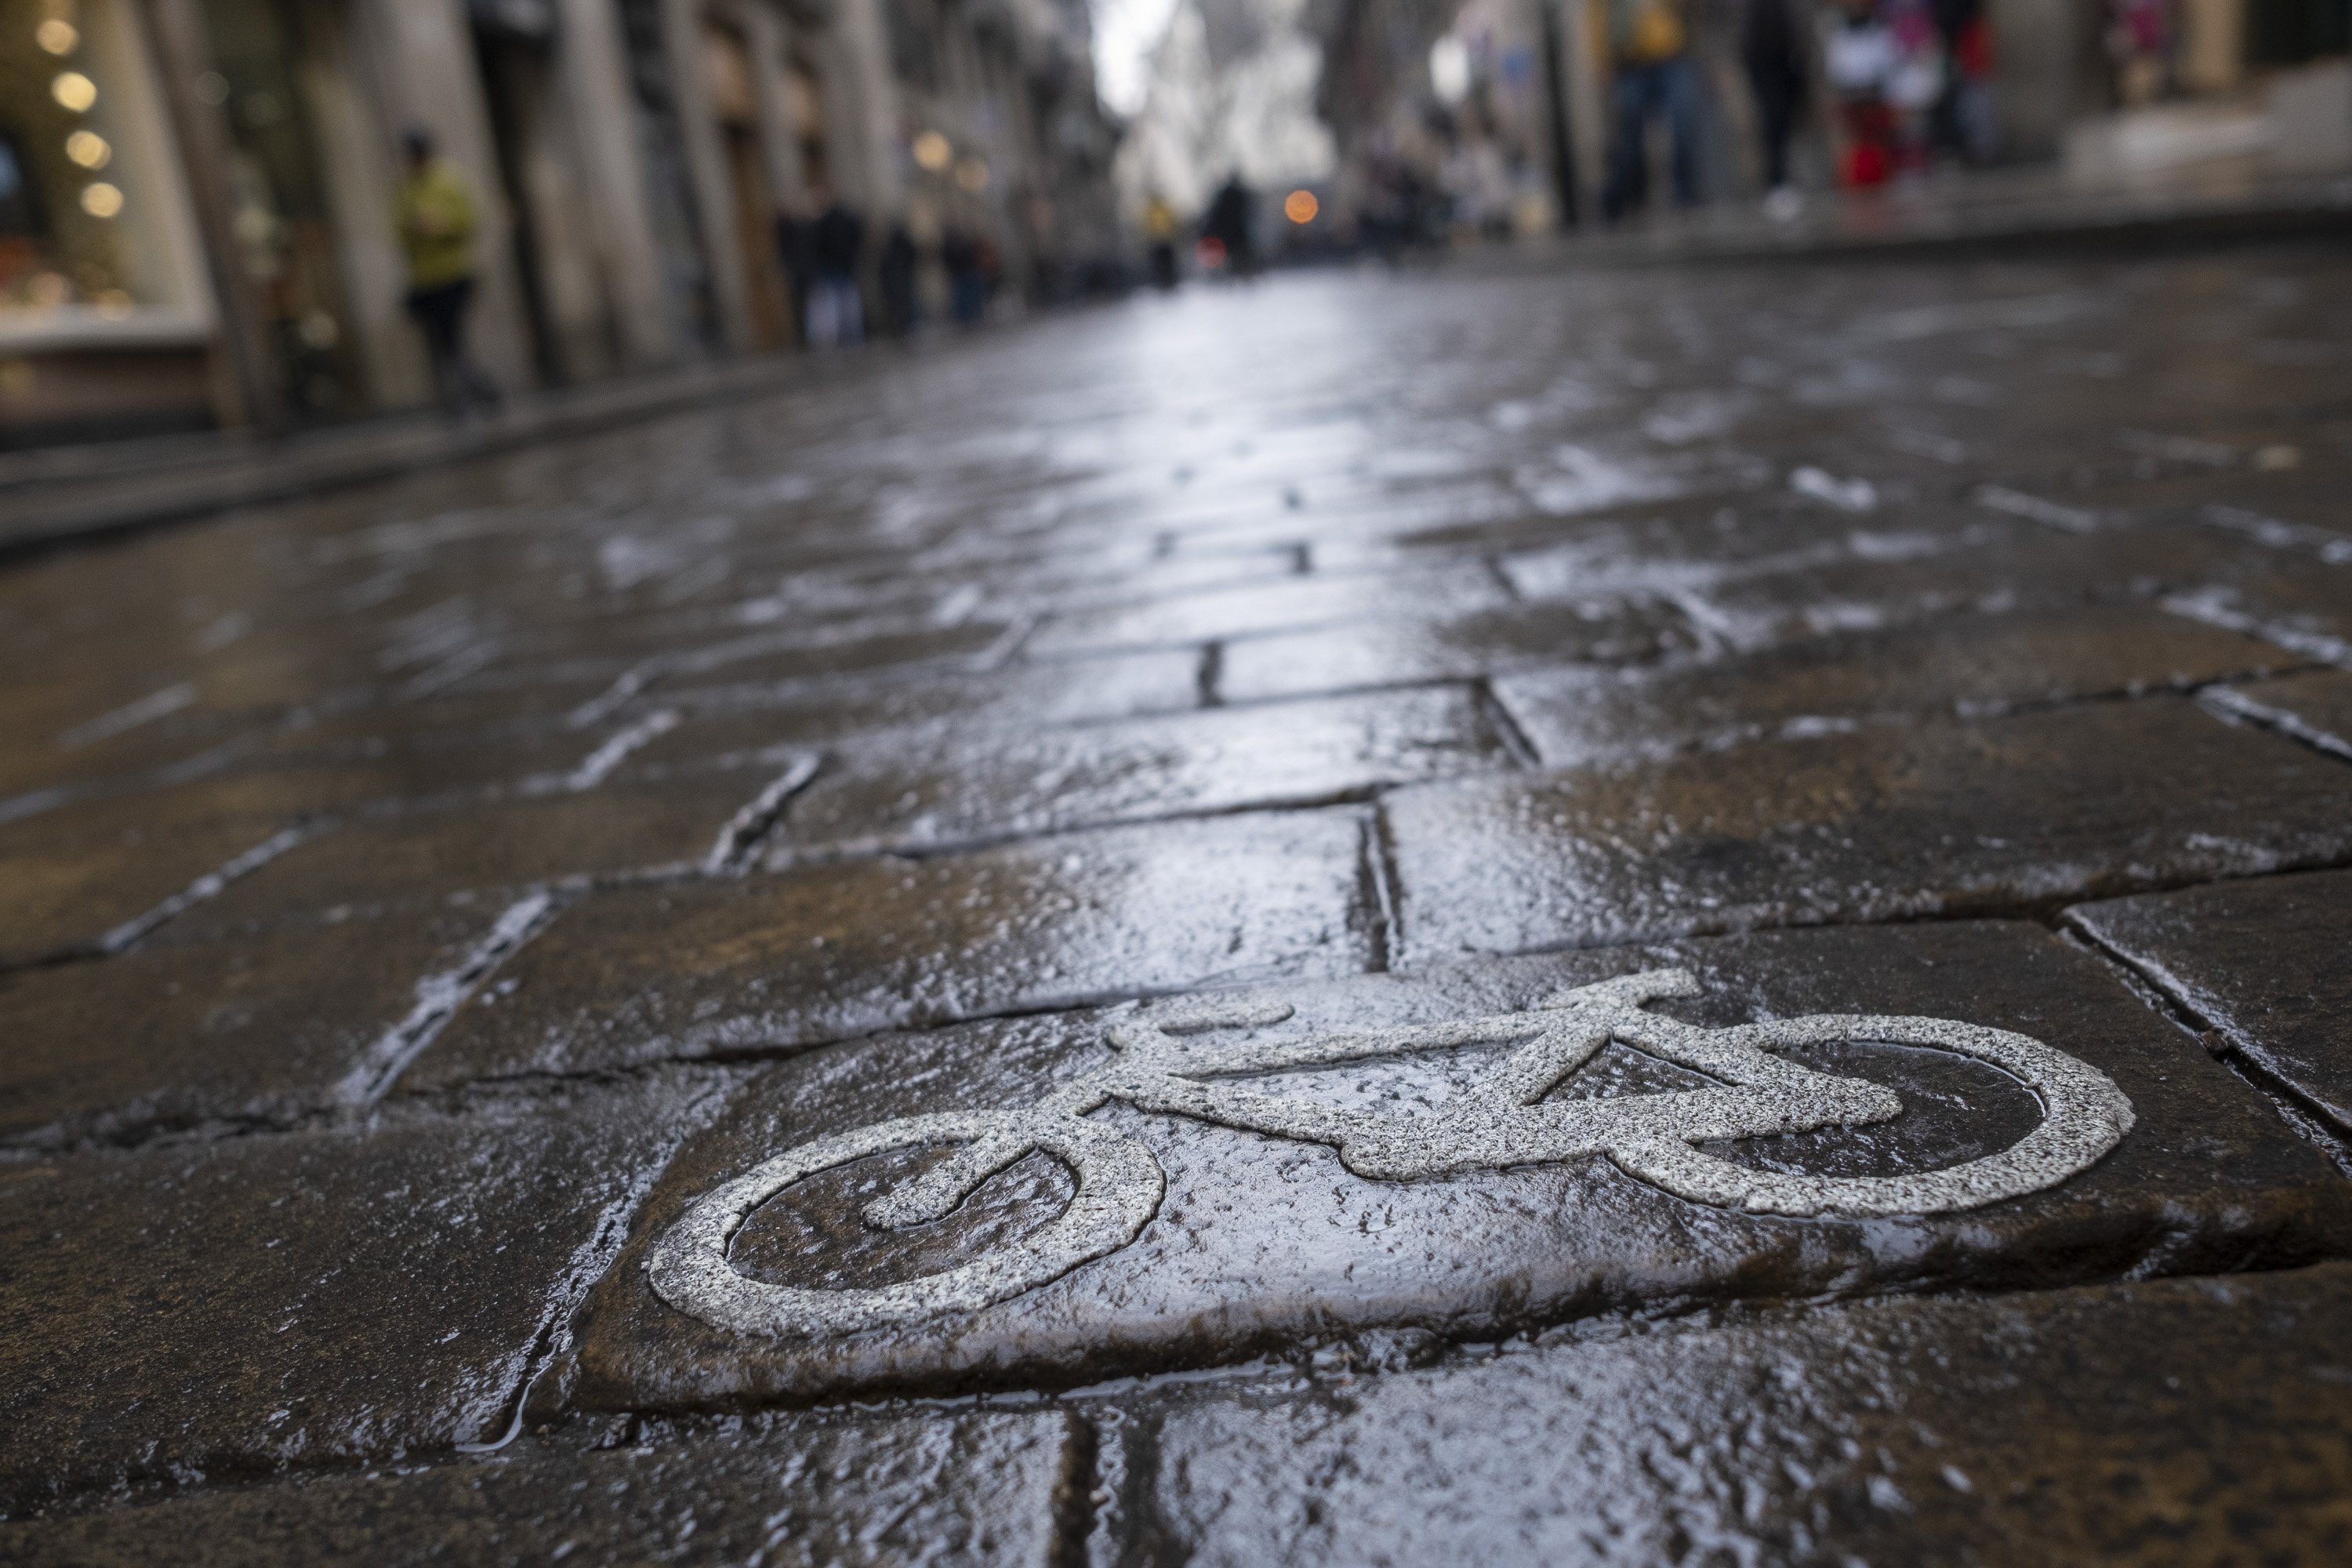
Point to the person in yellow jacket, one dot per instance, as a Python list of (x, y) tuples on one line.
[(1651, 74), (435, 215)]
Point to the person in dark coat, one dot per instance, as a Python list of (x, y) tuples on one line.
[(895, 272), (1772, 48), (836, 309), (1228, 226)]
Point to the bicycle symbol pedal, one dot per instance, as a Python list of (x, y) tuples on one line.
[(1506, 1119)]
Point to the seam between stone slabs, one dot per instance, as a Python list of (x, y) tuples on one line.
[(592, 1259), (1374, 886), (438, 997), (1209, 675), (1489, 706), (2233, 706), (732, 853), (786, 857), (207, 886), (2205, 605), (2161, 993)]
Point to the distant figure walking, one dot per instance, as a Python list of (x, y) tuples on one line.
[(1649, 47), (836, 309), (1225, 231), (1159, 240), (966, 283), (895, 272), (1772, 46), (435, 217)]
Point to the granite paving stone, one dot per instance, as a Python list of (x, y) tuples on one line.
[(1965, 665), (615, 830), (734, 719), (1263, 1245), (799, 958), (1296, 604), (68, 895), (2189, 1421), (240, 1031), (1886, 822), (943, 786), (1406, 652), (2261, 962), (226, 1308), (2049, 569), (982, 1488)]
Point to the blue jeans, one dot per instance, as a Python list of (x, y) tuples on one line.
[(1670, 88)]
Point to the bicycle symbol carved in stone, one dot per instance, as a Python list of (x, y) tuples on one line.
[(1506, 1120)]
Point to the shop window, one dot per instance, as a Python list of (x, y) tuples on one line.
[(72, 192)]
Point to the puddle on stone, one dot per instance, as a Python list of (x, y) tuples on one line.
[(812, 1236), (1954, 1109)]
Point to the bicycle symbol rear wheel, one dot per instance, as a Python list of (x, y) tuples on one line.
[(1119, 1186)]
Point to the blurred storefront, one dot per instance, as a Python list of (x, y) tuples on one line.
[(196, 196)]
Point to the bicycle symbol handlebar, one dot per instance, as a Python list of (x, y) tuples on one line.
[(1504, 1121)]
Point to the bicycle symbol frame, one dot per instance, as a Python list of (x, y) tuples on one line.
[(1504, 1121)]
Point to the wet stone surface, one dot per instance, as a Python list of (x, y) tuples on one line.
[(1892, 823), (2183, 1422), (2261, 963), (2208, 1177), (222, 1308), (236, 1032), (417, 899), (1969, 666), (942, 788), (798, 958), (971, 1489)]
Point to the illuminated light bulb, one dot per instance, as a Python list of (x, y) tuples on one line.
[(100, 199), (89, 148), (57, 35), (74, 90)]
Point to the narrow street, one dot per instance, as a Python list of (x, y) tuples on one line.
[(429, 903)]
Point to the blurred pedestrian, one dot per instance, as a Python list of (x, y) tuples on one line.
[(966, 283), (1861, 60), (837, 308), (793, 254), (1653, 77), (895, 273), (1225, 231), (1772, 48), (1964, 116), (1160, 239), (435, 214)]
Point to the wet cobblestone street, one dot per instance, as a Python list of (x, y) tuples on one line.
[(422, 896)]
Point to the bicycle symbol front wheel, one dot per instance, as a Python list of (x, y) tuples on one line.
[(1119, 1187)]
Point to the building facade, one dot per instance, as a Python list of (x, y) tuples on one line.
[(196, 196)]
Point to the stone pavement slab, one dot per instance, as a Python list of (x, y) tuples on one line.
[(771, 962), (939, 786), (66, 897), (2190, 1421), (1406, 652), (1262, 1244), (224, 1308), (981, 1489), (2050, 570), (1293, 605), (1965, 665), (615, 830), (2262, 962), (257, 1031), (1882, 824), (734, 719)]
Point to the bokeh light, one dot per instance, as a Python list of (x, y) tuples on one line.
[(100, 199), (933, 151), (89, 148), (1300, 206), (74, 90)]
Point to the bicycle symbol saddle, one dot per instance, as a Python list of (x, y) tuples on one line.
[(1506, 1120)]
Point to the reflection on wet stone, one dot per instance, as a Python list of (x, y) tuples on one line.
[(525, 985)]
